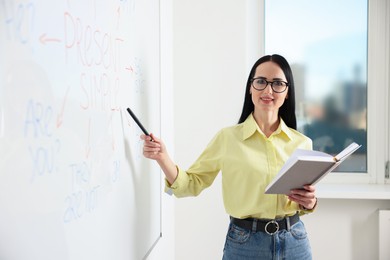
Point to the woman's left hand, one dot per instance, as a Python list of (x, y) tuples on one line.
[(305, 197)]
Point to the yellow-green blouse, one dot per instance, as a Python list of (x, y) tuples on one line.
[(248, 161)]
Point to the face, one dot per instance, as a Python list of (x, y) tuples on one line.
[(267, 99)]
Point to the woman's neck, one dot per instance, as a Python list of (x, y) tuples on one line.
[(267, 122)]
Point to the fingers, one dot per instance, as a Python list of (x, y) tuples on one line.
[(151, 137), (305, 197), (154, 138), (146, 137), (150, 142), (152, 146), (310, 188)]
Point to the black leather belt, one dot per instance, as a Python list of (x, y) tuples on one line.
[(270, 226)]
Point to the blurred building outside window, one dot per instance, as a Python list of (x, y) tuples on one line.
[(325, 43)]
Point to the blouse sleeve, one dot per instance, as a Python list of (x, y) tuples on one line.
[(203, 171)]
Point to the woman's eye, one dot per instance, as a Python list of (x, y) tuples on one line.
[(278, 83), (261, 81)]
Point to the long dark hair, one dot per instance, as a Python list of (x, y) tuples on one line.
[(287, 110)]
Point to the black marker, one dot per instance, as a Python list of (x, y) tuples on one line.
[(138, 123)]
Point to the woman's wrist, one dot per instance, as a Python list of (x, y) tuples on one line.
[(169, 168)]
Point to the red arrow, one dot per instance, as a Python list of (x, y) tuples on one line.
[(88, 146), (43, 39), (130, 69), (60, 115)]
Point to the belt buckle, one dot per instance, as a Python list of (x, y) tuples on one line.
[(274, 224)]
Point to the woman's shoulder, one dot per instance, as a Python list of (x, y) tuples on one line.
[(302, 138), (298, 133)]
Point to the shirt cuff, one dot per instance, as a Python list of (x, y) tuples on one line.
[(171, 188)]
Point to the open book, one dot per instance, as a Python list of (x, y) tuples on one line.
[(306, 167)]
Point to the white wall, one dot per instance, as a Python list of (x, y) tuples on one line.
[(209, 81), (210, 48), (345, 229)]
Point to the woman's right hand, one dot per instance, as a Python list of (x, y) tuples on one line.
[(154, 148)]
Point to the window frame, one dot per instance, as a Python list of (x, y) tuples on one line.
[(378, 96), (387, 90)]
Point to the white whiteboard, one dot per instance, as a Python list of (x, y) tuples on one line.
[(73, 181)]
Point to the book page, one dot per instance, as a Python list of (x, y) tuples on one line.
[(347, 151), (303, 152)]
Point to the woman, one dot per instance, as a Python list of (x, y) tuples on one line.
[(249, 155)]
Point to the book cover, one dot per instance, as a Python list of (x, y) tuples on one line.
[(306, 167)]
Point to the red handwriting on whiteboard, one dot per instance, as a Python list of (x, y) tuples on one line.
[(60, 115), (87, 45), (88, 144), (90, 45), (100, 91), (44, 39)]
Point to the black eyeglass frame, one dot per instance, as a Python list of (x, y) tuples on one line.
[(269, 83)]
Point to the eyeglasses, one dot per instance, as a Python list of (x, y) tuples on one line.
[(278, 86)]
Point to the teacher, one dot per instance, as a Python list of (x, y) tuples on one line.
[(249, 155)]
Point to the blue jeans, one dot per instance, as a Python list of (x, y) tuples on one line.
[(243, 244)]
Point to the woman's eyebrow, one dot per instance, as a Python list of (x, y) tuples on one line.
[(262, 77)]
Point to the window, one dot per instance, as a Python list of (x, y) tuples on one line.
[(337, 50)]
